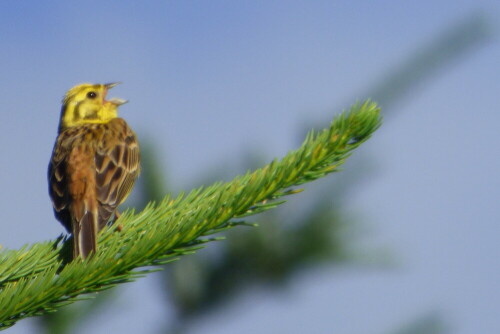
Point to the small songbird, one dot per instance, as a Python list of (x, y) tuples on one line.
[(94, 164)]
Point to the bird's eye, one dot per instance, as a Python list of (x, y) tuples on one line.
[(91, 95)]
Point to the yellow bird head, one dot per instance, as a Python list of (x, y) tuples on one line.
[(86, 103)]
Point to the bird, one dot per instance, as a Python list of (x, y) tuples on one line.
[(94, 165)]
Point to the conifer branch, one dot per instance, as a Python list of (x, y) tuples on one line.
[(38, 279)]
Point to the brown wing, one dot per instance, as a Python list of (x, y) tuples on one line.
[(117, 163), (58, 189)]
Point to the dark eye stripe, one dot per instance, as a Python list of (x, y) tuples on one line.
[(76, 112)]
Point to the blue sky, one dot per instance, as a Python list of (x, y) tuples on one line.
[(209, 80)]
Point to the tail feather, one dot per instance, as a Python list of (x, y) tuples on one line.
[(85, 235)]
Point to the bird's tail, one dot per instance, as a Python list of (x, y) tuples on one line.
[(85, 235)]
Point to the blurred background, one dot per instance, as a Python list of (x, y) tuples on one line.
[(404, 240)]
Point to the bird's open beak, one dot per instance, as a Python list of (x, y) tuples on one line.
[(112, 84), (115, 100)]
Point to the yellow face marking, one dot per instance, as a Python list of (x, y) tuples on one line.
[(84, 104)]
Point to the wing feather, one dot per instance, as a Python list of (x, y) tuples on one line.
[(117, 167), (58, 189)]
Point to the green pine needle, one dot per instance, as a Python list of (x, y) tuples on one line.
[(38, 278)]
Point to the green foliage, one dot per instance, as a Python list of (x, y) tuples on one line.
[(265, 256), (38, 279)]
